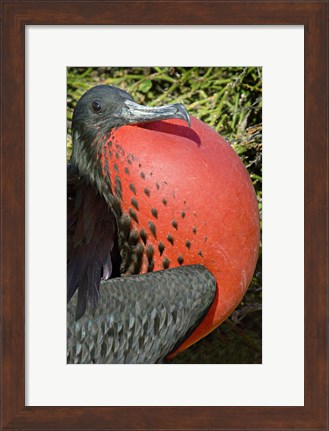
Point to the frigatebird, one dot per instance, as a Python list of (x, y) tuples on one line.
[(163, 230)]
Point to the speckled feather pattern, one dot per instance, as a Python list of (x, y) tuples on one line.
[(140, 319)]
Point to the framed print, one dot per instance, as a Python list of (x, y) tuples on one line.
[(139, 388), (288, 390), (166, 242)]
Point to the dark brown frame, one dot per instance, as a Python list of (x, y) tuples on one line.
[(313, 15)]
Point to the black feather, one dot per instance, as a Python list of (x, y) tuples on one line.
[(92, 242)]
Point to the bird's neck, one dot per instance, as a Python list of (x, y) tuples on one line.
[(85, 159), (90, 161)]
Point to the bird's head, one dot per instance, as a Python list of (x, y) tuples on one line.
[(104, 108)]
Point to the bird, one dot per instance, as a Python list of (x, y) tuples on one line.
[(163, 230)]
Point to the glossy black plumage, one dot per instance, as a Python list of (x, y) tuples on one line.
[(93, 253), (140, 319)]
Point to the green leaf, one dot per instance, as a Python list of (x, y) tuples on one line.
[(145, 86)]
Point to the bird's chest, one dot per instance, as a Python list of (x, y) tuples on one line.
[(165, 185)]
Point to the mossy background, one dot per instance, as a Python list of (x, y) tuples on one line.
[(229, 99)]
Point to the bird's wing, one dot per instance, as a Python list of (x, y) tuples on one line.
[(92, 243), (141, 318)]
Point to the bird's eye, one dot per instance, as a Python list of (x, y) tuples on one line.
[(96, 107)]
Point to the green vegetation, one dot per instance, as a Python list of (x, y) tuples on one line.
[(229, 99)]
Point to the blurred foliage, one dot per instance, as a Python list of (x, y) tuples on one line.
[(229, 99)]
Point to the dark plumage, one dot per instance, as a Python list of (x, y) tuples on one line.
[(142, 318), (93, 253)]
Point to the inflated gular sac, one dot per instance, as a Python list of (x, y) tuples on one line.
[(192, 199)]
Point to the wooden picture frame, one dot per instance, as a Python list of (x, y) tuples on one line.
[(16, 15)]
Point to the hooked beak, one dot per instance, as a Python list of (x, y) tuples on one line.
[(133, 113)]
